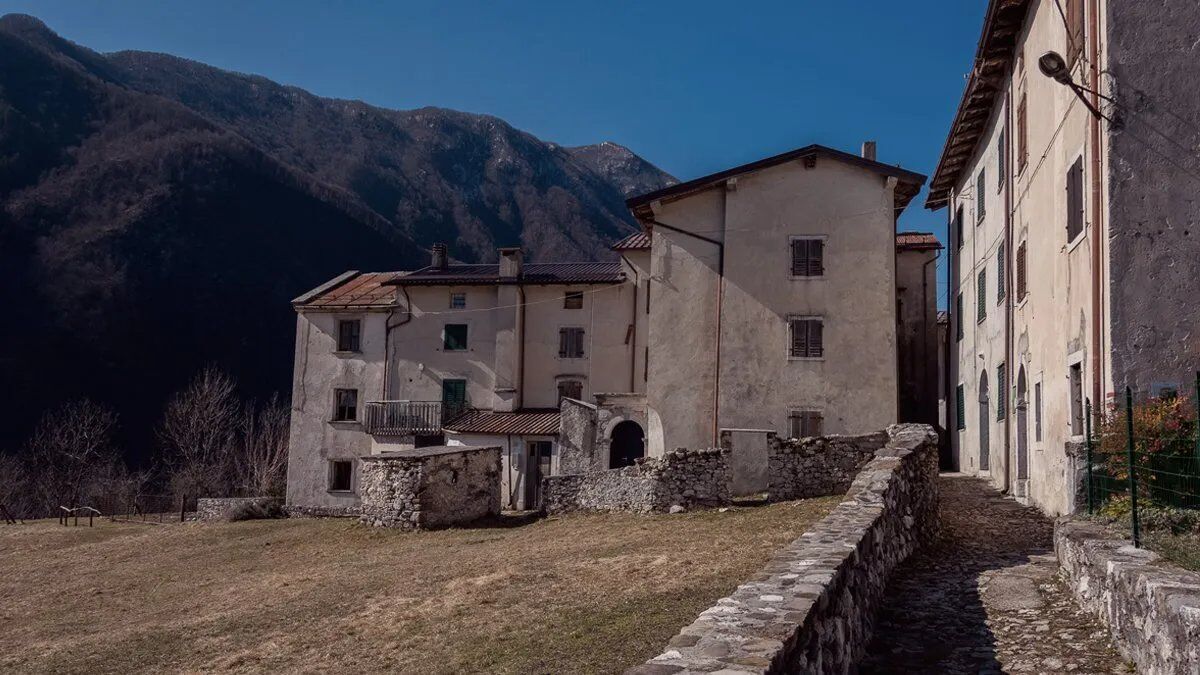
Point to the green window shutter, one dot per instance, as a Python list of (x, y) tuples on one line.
[(961, 410), (981, 297), (980, 202), (958, 318), (1001, 263), (1002, 391)]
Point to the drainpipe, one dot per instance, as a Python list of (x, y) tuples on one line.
[(387, 337), (1097, 206), (1008, 299), (720, 295), (633, 327)]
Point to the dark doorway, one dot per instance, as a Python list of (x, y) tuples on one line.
[(628, 444), (537, 466), (1022, 427), (985, 424)]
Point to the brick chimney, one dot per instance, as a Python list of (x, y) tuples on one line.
[(439, 260), (510, 262), (868, 150)]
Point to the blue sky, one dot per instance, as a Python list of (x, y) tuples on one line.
[(693, 86)]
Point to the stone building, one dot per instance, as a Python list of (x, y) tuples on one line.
[(1069, 180)]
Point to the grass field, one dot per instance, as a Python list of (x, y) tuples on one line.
[(583, 593)]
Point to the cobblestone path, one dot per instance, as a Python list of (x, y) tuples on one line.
[(986, 598)]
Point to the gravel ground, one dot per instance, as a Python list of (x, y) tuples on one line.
[(986, 598)]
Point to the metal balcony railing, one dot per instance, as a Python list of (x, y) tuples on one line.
[(409, 418)]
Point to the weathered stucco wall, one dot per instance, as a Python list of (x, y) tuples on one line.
[(1151, 608), (430, 487), (917, 289), (812, 608), (1153, 181)]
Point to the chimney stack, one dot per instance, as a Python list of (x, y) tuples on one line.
[(510, 262), (868, 150), (439, 261)]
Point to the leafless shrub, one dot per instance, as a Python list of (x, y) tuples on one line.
[(71, 449), (197, 433), (260, 462)]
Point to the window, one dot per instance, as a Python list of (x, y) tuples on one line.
[(349, 335), (570, 343), (454, 393), (341, 475), (1001, 157), (1037, 412), (573, 300), (1075, 200), (960, 408), (1022, 134), (1022, 288), (1075, 18), (981, 299), (1001, 277), (806, 339), (958, 318), (1001, 391), (458, 300), (808, 257), (958, 224), (569, 389), (804, 423), (980, 194), (1076, 380), (345, 405), (454, 337)]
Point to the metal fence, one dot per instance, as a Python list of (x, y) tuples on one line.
[(147, 508), (1144, 456)]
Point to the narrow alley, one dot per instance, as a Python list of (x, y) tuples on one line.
[(986, 598)]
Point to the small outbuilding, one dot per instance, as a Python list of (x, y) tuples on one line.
[(428, 488)]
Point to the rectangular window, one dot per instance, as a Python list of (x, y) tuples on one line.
[(454, 393), (808, 257), (1022, 134), (573, 300), (959, 317), (1001, 391), (1075, 200), (1077, 399), (458, 300), (1001, 276), (349, 335), (341, 475), (958, 224), (1037, 412), (345, 405), (572, 389), (981, 297), (1001, 158), (980, 194), (1075, 22), (570, 343), (454, 337), (806, 338), (804, 423), (960, 408), (1022, 281)]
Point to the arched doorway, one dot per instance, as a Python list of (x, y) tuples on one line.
[(628, 443), (985, 422), (1022, 427)]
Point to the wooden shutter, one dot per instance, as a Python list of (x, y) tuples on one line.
[(1021, 287), (981, 296), (563, 339), (959, 317), (816, 257), (960, 408), (980, 196), (1001, 391), (816, 338), (1001, 276), (1075, 17), (1075, 200), (799, 257), (799, 338), (1022, 134)]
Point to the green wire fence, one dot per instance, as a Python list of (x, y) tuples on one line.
[(1146, 454)]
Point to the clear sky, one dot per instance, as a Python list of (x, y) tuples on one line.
[(693, 86)]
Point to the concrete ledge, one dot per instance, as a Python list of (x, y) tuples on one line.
[(1151, 607), (811, 610)]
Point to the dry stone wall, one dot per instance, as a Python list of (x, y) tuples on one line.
[(811, 610), (433, 487), (683, 478), (815, 467), (221, 508), (1151, 608)]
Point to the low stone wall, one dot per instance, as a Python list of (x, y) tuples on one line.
[(816, 467), (295, 511), (1151, 607), (812, 608), (425, 488), (210, 509), (681, 478)]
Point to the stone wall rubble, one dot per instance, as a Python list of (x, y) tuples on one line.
[(221, 508), (427, 488), (680, 478)]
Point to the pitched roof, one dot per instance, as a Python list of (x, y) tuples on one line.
[(917, 241), (351, 289), (637, 241), (531, 273), (997, 45), (524, 422), (909, 184)]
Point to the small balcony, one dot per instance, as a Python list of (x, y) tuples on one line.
[(409, 418)]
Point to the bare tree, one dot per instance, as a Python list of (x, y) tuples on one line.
[(197, 434), (71, 447), (260, 465), (15, 494)]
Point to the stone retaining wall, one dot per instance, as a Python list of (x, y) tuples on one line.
[(1151, 607), (816, 467), (432, 487), (220, 508), (680, 478), (812, 608)]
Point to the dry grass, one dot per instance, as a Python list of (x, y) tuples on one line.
[(586, 593)]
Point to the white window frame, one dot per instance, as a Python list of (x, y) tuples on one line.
[(442, 337), (824, 239), (337, 333), (358, 406), (455, 294), (1080, 153), (1073, 359), (329, 476)]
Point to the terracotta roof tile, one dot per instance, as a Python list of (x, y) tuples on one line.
[(527, 422), (365, 289), (917, 241), (637, 241), (531, 273)]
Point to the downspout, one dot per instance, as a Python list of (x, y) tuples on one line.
[(720, 294), (633, 327), (387, 336), (1097, 206), (1009, 369)]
